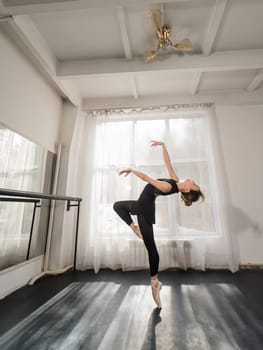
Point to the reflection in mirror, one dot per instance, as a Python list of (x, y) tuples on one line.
[(24, 166)]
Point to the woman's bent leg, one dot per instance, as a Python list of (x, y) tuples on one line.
[(124, 209)]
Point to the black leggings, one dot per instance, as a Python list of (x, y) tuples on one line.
[(127, 208)]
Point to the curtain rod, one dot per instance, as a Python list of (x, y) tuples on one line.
[(162, 108)]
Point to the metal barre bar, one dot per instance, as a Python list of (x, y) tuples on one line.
[(31, 230), (15, 193), (23, 200), (76, 238)]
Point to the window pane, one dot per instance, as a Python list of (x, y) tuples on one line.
[(117, 139), (199, 217), (187, 138), (162, 219), (110, 182), (145, 132)]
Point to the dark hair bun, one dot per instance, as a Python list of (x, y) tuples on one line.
[(186, 201)]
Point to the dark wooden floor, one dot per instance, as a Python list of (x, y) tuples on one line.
[(214, 310)]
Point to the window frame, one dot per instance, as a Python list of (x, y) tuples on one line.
[(166, 116)]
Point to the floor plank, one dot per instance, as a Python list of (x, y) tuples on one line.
[(214, 310)]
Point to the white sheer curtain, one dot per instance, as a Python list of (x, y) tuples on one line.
[(196, 236), (224, 250), (22, 168)]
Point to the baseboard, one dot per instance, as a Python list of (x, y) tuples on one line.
[(251, 266), (19, 275)]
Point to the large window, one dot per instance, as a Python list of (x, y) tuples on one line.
[(126, 143)]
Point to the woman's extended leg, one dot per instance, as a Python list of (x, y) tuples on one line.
[(125, 209), (148, 238)]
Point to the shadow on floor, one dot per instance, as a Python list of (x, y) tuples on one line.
[(214, 310)]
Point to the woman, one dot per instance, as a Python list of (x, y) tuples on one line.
[(144, 208)]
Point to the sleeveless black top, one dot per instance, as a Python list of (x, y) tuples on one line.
[(146, 201)]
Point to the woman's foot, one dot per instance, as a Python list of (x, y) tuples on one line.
[(136, 230), (156, 287)]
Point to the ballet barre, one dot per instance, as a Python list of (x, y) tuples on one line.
[(8, 195)]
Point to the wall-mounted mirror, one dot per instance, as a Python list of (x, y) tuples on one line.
[(25, 166)]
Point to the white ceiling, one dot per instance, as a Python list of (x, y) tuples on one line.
[(92, 50)]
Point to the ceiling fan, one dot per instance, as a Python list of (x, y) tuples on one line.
[(162, 33)]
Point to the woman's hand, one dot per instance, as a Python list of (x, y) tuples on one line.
[(125, 171), (157, 143)]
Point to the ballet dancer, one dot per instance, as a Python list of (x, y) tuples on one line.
[(144, 208)]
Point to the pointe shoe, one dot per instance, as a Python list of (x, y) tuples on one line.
[(137, 231), (156, 287)]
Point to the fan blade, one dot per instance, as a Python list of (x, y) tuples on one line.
[(184, 45), (150, 56), (156, 19)]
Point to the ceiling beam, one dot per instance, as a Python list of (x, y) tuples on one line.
[(233, 97), (218, 61), (195, 83), (14, 7), (124, 33), (34, 41), (27, 37), (214, 25), (135, 92), (256, 81)]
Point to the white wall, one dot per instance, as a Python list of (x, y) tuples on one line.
[(240, 132), (32, 108), (28, 104)]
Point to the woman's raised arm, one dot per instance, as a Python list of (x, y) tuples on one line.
[(166, 159)]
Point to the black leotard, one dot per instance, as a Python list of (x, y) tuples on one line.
[(146, 201)]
